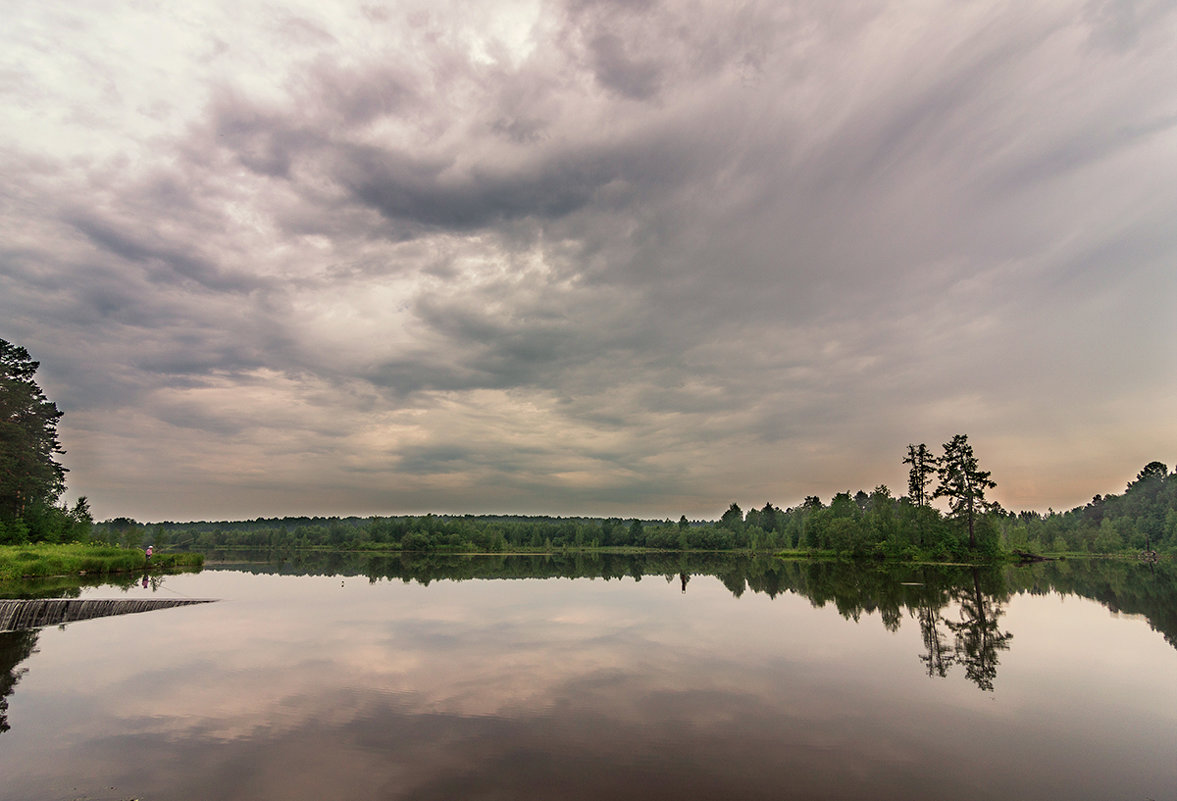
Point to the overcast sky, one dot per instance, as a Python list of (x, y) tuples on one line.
[(588, 257)]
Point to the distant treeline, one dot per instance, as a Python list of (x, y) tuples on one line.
[(863, 524)]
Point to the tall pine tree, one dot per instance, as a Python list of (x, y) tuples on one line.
[(29, 472), (963, 483), (923, 467)]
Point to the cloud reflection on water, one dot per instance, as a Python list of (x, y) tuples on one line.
[(313, 687)]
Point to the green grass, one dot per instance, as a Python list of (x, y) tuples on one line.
[(24, 561)]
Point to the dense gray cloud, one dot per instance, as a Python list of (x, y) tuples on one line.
[(589, 257)]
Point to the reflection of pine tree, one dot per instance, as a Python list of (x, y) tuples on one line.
[(939, 657), (933, 595), (977, 636), (15, 647)]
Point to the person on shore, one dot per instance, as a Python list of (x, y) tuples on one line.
[(150, 550)]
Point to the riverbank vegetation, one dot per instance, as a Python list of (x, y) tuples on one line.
[(46, 559)]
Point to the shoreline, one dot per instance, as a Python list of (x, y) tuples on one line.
[(44, 560)]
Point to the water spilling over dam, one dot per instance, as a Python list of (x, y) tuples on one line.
[(17, 615)]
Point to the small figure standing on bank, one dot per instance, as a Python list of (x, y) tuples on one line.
[(150, 548)]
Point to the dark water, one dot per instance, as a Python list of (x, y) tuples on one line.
[(612, 678)]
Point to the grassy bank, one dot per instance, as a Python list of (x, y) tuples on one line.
[(23, 561)]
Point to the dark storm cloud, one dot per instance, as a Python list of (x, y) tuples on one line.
[(478, 349), (428, 186), (261, 143), (616, 69), (414, 372), (402, 188), (435, 459), (357, 97), (329, 100), (167, 263)]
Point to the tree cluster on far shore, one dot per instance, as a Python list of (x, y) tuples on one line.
[(873, 524)]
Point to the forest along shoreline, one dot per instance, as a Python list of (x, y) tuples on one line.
[(874, 525)]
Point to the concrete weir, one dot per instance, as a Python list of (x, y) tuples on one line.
[(17, 615)]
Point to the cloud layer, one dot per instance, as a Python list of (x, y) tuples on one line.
[(591, 257)]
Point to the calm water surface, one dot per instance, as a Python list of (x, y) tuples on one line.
[(761, 680)]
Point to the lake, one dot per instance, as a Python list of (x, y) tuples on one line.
[(603, 677)]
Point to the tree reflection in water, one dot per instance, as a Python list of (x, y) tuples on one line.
[(958, 609), (977, 635), (15, 647), (940, 655)]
